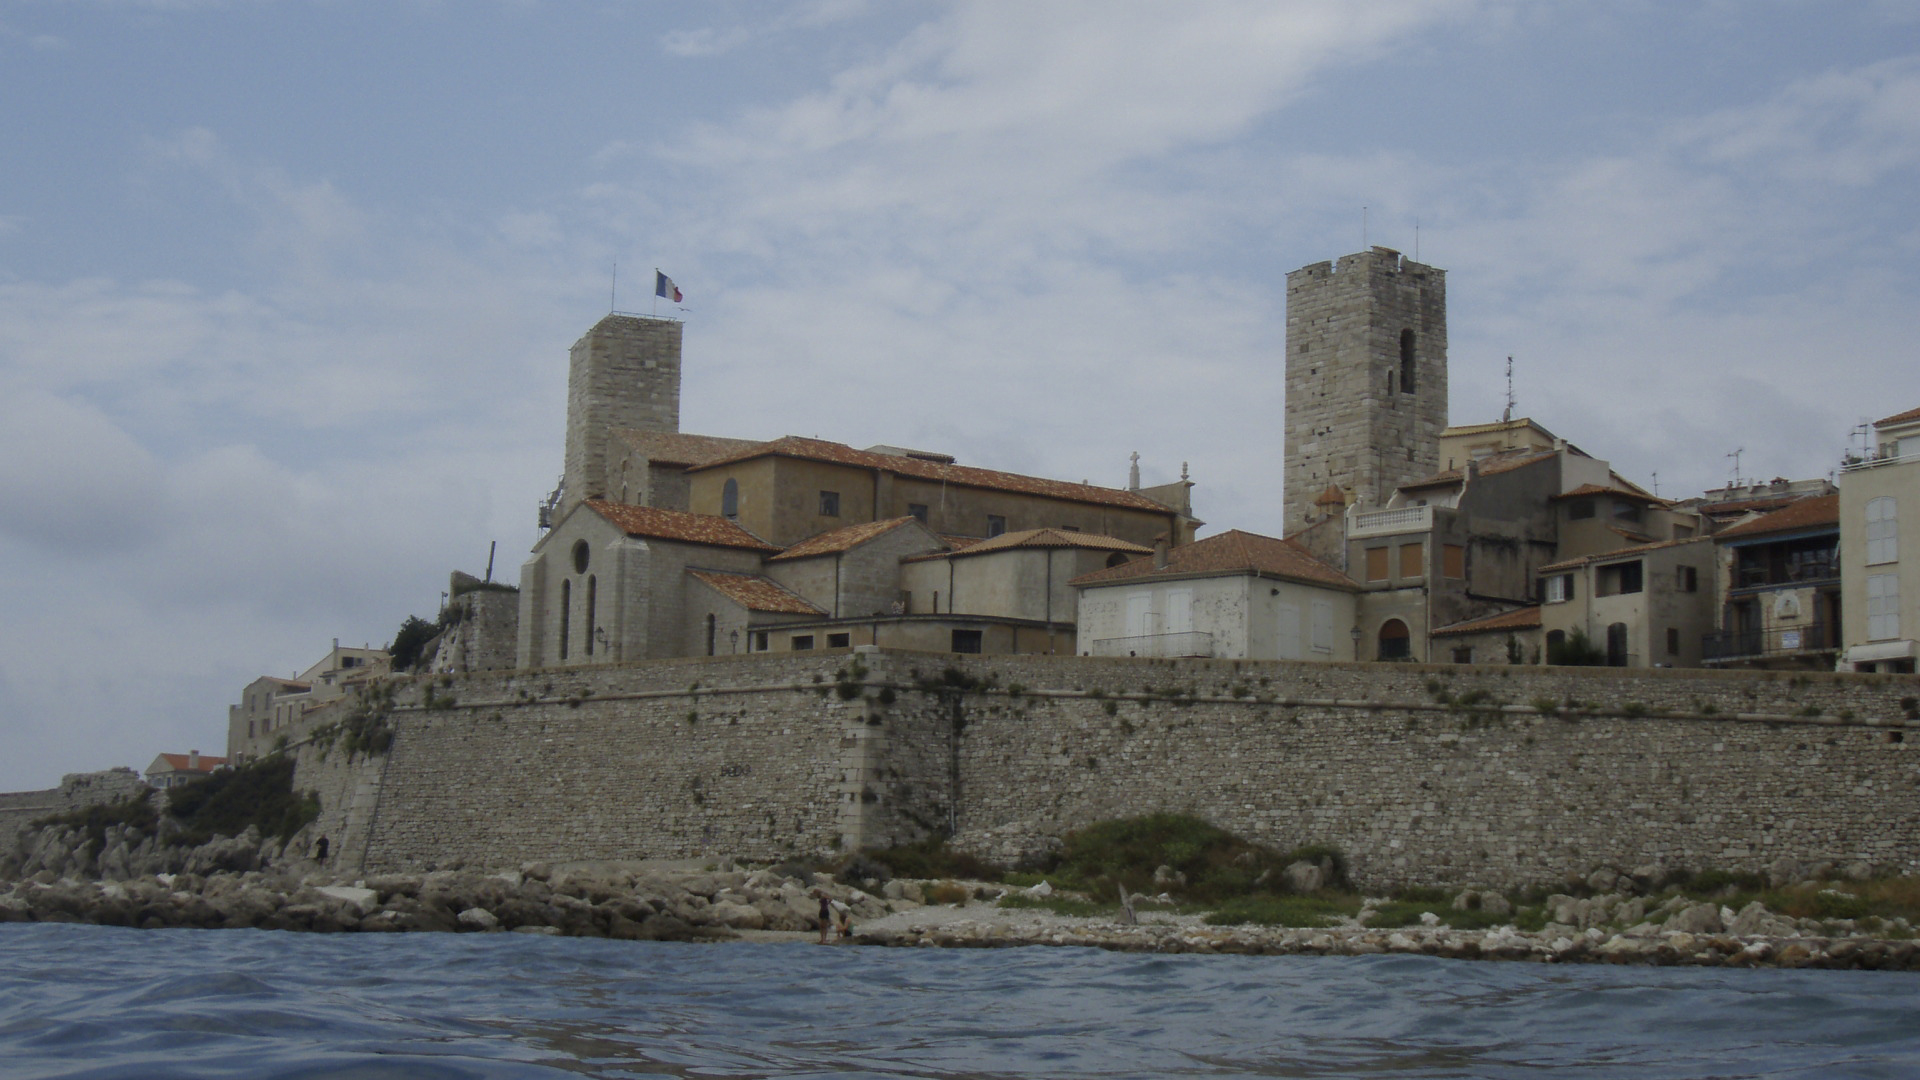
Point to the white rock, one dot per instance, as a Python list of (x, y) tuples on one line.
[(362, 899), (479, 918)]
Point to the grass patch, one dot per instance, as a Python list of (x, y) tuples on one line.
[(1217, 865), (1294, 911)]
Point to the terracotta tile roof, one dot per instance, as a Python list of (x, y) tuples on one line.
[(965, 475), (658, 524), (1899, 418), (1808, 513), (1737, 507), (827, 543), (680, 448), (1620, 553), (1491, 465), (208, 763), (1043, 538), (756, 593), (1630, 534), (1231, 552), (1526, 618), (1601, 489), (958, 542)]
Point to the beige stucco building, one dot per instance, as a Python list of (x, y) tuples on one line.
[(1236, 595), (1646, 606), (1880, 550)]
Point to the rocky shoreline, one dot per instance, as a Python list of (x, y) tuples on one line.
[(141, 881)]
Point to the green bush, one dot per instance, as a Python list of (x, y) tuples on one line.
[(1576, 651), (1217, 864), (259, 793)]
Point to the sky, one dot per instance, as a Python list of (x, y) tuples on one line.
[(287, 288)]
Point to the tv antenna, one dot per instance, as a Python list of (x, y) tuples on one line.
[(1735, 482), (1508, 414)]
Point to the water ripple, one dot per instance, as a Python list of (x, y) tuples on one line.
[(98, 1002)]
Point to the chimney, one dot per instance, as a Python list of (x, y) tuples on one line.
[(193, 761), (1160, 552)]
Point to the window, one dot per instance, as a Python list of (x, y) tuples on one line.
[(566, 615), (1395, 644), (1883, 607), (1883, 531), (1116, 559), (712, 633), (593, 590), (801, 642), (1686, 579), (829, 504), (996, 524), (1453, 560), (1287, 633), (581, 553), (1377, 564), (1814, 558), (1673, 641), (1463, 654), (839, 641), (1620, 578), (1580, 508), (966, 641), (1558, 590), (1407, 342), (730, 499), (1179, 611), (760, 640), (917, 510), (1410, 561), (1626, 511)]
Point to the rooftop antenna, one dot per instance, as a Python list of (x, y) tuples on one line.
[(1656, 483), (1506, 416), (1735, 482), (491, 544)]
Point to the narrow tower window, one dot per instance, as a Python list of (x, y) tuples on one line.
[(593, 592), (566, 615), (1406, 361), (730, 499)]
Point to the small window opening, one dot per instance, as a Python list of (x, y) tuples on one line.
[(1406, 361)]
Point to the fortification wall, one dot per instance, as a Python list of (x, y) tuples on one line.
[(77, 791), (1421, 774)]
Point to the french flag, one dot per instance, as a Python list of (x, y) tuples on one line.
[(664, 287)]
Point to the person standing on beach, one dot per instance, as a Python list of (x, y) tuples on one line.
[(826, 914)]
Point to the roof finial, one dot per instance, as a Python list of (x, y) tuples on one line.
[(1183, 470), (1133, 472)]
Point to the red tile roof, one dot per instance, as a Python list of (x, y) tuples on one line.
[(208, 763), (681, 448), (965, 475), (1899, 418), (1809, 513), (1526, 618), (1044, 538), (757, 593), (655, 523), (1231, 552), (1602, 489), (1620, 553), (845, 539), (1491, 465)]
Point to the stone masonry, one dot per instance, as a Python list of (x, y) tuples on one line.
[(1420, 774), (623, 373), (1366, 372)]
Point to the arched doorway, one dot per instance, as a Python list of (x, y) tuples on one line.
[(1617, 645), (1395, 642)]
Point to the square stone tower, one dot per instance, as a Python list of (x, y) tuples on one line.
[(1366, 381), (624, 373)]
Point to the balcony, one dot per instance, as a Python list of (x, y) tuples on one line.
[(1856, 464), (1405, 519), (1191, 643), (1725, 646)]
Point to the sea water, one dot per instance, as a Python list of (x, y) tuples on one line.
[(98, 1002)]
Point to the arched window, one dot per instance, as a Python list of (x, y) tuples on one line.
[(1617, 645), (1395, 642), (1406, 361), (1116, 558), (566, 615), (593, 591), (730, 499)]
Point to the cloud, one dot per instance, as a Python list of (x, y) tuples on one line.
[(713, 41)]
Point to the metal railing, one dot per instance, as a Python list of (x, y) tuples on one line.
[(1772, 641), (1399, 520), (1186, 643), (1876, 462)]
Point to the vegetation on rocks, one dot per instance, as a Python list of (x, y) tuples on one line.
[(258, 794)]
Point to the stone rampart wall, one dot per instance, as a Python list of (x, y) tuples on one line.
[(77, 791), (1432, 774)]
